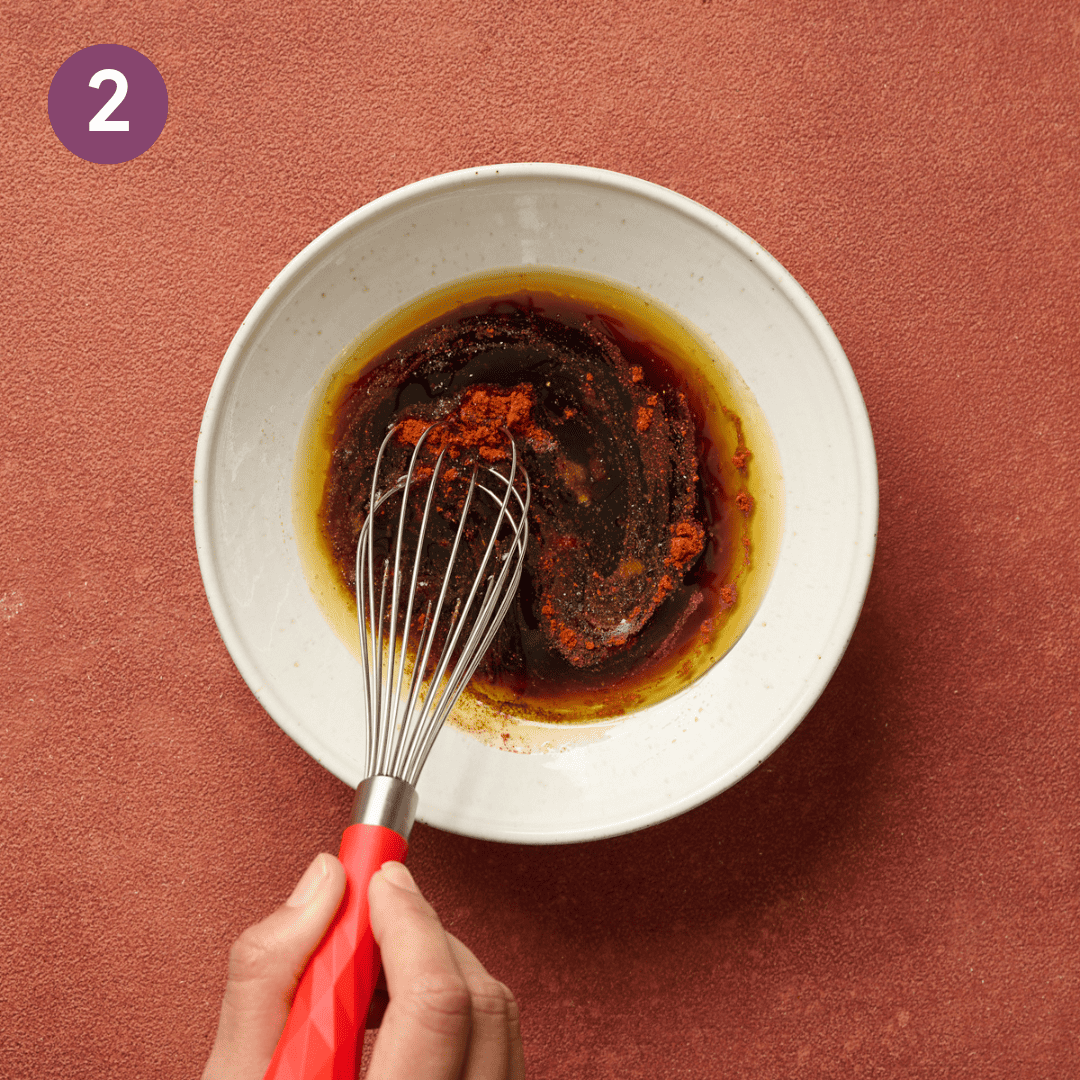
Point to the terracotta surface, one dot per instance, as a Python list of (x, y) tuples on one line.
[(895, 892)]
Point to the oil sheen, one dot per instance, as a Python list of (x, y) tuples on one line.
[(656, 510)]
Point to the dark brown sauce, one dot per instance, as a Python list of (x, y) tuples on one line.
[(639, 513)]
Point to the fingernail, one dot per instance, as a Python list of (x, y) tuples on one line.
[(396, 874), (309, 884)]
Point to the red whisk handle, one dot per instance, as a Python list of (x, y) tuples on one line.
[(324, 1032)]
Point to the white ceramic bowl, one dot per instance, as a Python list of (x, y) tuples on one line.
[(653, 764)]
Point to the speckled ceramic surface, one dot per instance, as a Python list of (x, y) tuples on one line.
[(653, 764)]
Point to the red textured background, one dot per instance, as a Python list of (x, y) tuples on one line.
[(896, 891)]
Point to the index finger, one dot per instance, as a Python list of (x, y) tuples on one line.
[(425, 1030)]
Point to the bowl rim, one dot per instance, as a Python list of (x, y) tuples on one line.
[(865, 458)]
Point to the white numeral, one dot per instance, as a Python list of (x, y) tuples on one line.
[(100, 121)]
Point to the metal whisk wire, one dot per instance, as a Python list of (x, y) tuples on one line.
[(406, 704)]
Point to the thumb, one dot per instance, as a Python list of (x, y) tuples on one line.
[(265, 964)]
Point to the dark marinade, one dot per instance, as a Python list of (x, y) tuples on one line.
[(633, 539)]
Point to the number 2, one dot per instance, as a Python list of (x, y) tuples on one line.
[(100, 120)]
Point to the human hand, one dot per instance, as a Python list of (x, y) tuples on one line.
[(265, 963), (447, 1019)]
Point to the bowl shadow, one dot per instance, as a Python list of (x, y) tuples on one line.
[(781, 834)]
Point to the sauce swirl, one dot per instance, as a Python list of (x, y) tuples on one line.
[(640, 524)]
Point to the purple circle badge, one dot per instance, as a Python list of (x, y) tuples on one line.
[(108, 104)]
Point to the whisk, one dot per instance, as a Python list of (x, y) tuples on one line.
[(407, 694)]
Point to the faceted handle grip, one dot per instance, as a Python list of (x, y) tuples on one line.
[(321, 1040)]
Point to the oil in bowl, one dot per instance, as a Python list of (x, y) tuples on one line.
[(657, 497)]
